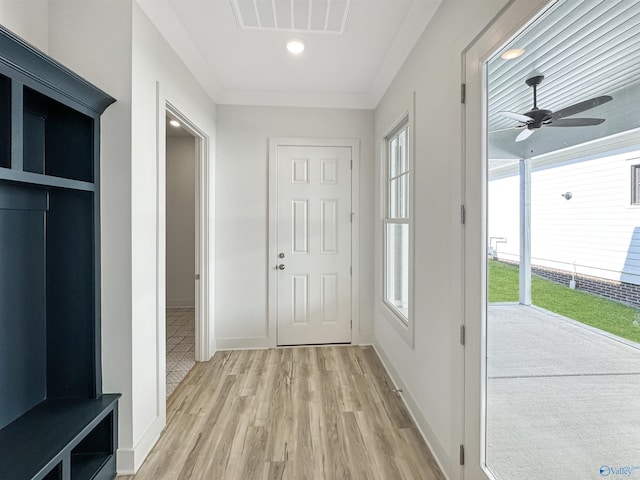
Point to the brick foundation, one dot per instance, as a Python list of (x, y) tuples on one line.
[(627, 293)]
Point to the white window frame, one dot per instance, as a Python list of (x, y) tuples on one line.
[(635, 179), (403, 325)]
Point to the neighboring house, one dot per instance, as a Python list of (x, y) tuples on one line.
[(585, 211)]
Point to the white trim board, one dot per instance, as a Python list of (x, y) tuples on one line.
[(242, 343), (438, 451), (272, 252), (516, 15), (203, 330), (129, 460), (405, 113), (180, 303)]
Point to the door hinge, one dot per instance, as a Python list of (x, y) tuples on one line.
[(350, 270), (461, 454), (463, 93), (463, 335), (351, 164), (463, 215)]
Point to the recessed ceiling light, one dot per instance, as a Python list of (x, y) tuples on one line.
[(174, 123), (513, 53), (295, 47)]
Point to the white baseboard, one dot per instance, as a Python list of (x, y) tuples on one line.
[(128, 461), (125, 462), (249, 343), (439, 452), (180, 303)]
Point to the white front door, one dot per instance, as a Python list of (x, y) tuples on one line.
[(313, 245)]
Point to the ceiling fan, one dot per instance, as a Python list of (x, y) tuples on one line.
[(536, 118)]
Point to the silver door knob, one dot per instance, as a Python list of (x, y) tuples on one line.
[(281, 266)]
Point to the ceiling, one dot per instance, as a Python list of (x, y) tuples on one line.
[(585, 48), (173, 131), (236, 48)]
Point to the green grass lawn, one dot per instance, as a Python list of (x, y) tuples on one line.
[(607, 315)]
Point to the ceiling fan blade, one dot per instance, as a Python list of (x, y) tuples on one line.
[(508, 129), (524, 134), (515, 116), (500, 130), (576, 122), (580, 107)]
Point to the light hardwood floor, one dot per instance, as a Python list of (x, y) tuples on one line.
[(296, 413)]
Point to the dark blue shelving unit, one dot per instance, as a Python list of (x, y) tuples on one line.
[(55, 422)]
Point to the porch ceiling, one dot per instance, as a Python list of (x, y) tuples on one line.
[(585, 49)]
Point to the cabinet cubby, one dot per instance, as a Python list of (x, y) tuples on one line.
[(55, 422), (94, 451), (58, 140)]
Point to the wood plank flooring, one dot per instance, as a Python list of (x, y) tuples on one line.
[(307, 413)]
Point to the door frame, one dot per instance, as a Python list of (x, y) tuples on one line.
[(201, 188), (204, 345), (272, 251), (514, 17)]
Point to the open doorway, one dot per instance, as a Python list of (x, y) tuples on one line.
[(181, 251), (554, 294)]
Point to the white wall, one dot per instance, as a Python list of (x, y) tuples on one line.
[(27, 18), (242, 210), (181, 224), (116, 47), (430, 373), (155, 65), (93, 38)]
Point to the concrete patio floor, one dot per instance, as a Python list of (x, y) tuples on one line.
[(563, 399)]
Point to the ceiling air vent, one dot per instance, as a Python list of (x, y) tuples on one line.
[(320, 16)]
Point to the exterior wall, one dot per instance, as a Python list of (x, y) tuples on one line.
[(596, 232), (242, 214), (181, 224)]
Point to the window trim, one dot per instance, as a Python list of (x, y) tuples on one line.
[(401, 126), (634, 184), (403, 325)]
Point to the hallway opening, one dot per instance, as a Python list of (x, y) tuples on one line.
[(181, 228)]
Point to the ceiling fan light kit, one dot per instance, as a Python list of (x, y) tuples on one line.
[(536, 118)]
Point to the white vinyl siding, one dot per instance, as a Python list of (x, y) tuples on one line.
[(597, 231)]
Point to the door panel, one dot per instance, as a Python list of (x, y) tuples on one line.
[(314, 235)]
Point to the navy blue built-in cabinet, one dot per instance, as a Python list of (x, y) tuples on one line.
[(55, 422)]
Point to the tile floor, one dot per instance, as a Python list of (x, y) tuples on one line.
[(180, 345)]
